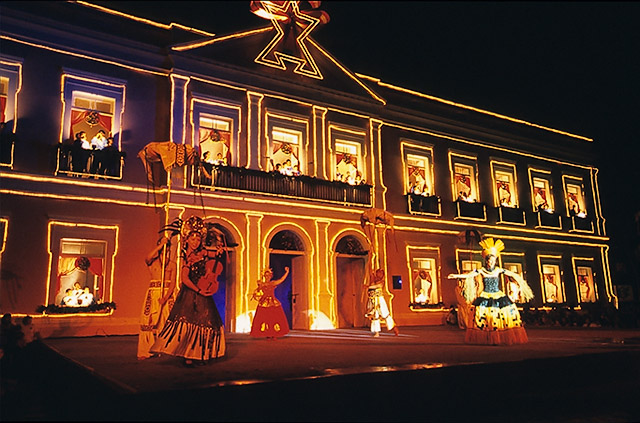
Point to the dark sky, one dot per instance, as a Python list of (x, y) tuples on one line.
[(572, 66)]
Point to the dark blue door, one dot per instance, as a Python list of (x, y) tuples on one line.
[(283, 293)]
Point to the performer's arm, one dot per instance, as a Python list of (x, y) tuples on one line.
[(184, 278), (153, 254), (286, 273), (462, 275)]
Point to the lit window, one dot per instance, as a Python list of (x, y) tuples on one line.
[(418, 174), (585, 284), (552, 284), (91, 125), (285, 151), (425, 288), (215, 140), (511, 287), (80, 278), (348, 162), (10, 83), (464, 183), (575, 200), (4, 93), (542, 198), (505, 188)]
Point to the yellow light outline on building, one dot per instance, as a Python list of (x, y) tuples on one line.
[(123, 92), (280, 57), (17, 65), (83, 56), (113, 228), (438, 277), (142, 20), (550, 257)]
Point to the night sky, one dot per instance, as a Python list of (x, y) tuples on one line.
[(569, 66)]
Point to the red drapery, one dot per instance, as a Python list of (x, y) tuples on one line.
[(3, 104)]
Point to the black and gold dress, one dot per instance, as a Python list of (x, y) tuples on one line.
[(496, 319), (194, 329)]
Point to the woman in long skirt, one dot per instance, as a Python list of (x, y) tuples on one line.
[(269, 321), (194, 329), (495, 319)]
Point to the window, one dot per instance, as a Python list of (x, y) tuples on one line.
[(504, 178), (586, 288), (511, 287), (348, 162), (418, 174), (81, 266), (553, 288), (424, 281), (542, 199), (574, 198), (4, 93), (10, 83), (214, 139), (80, 274), (285, 151), (463, 178), (93, 107)]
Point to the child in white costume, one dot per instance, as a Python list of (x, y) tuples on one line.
[(376, 304)]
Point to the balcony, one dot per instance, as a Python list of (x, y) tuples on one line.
[(581, 224), (420, 204), (549, 220), (512, 215), (274, 183), (472, 211)]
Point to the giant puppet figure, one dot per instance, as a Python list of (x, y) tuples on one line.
[(495, 319)]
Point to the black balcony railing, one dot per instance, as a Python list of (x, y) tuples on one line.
[(303, 186)]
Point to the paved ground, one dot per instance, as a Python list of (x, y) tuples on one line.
[(425, 374)]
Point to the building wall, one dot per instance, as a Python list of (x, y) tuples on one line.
[(160, 96)]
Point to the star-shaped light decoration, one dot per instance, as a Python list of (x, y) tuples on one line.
[(292, 27)]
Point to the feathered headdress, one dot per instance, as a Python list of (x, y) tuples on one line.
[(489, 247), (194, 224)]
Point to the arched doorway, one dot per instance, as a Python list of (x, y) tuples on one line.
[(351, 265), (226, 274), (286, 249)]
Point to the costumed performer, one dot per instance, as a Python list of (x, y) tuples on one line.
[(269, 321), (495, 319), (194, 329), (376, 304), (158, 300)]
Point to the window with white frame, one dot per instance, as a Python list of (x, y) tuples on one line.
[(285, 151), (348, 162), (464, 182), (80, 272), (575, 199), (81, 259), (10, 81), (424, 280), (542, 198), (505, 189), (418, 174), (552, 284), (511, 287), (586, 287), (92, 113), (214, 139)]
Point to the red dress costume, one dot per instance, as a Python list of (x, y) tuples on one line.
[(269, 320)]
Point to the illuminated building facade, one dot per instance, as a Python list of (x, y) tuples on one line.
[(295, 147)]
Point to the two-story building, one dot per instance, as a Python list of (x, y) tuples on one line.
[(295, 151)]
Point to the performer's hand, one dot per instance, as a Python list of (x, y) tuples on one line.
[(286, 269), (162, 301), (207, 292)]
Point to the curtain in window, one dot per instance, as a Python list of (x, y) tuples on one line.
[(3, 105)]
